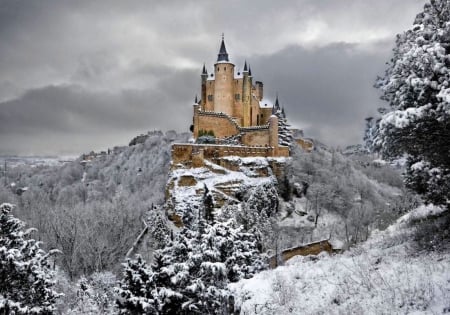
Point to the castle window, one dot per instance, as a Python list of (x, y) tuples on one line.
[(210, 98), (224, 68), (237, 97)]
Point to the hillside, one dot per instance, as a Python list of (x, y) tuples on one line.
[(393, 272), (94, 208)]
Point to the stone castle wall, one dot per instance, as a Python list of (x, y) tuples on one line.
[(184, 153), (255, 137), (221, 124)]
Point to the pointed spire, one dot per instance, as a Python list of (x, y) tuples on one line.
[(249, 70), (204, 70), (283, 113), (277, 104), (245, 66), (223, 55), (196, 100)]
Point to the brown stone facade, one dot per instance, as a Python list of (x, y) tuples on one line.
[(183, 153), (221, 124)]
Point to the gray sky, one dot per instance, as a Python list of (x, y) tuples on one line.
[(77, 76)]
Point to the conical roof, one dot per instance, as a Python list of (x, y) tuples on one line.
[(223, 55)]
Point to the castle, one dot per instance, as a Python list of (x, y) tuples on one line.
[(232, 109), (233, 94)]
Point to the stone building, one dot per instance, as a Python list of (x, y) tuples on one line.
[(231, 105)]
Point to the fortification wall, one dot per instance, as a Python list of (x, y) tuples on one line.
[(221, 124), (182, 153), (255, 137), (283, 151)]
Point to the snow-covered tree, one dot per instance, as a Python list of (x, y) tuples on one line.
[(190, 275), (285, 136), (26, 279), (370, 134), (417, 87), (135, 293)]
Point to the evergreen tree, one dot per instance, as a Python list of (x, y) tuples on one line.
[(416, 85), (285, 136), (208, 205), (135, 292), (370, 134), (26, 279), (190, 275)]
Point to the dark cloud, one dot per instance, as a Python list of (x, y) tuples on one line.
[(327, 91), (81, 75), (71, 119)]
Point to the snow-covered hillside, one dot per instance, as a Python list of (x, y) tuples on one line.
[(388, 274)]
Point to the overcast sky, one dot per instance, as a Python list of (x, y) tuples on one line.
[(77, 76)]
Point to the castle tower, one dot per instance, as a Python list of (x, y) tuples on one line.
[(273, 134), (204, 77), (195, 118), (224, 77), (246, 97)]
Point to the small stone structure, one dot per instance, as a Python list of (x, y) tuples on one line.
[(304, 250)]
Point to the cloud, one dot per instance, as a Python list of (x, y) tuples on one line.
[(327, 91), (96, 72)]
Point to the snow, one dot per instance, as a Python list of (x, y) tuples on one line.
[(444, 94), (420, 213), (402, 118), (265, 103), (380, 276)]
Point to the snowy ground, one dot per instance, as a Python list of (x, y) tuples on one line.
[(215, 177), (385, 275), (298, 228)]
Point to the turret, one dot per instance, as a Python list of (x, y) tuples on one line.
[(204, 77), (246, 97), (277, 105), (273, 134), (224, 77), (196, 106)]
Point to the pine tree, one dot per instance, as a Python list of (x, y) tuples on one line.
[(285, 136), (135, 291), (26, 279), (416, 85), (190, 275), (208, 205), (370, 134)]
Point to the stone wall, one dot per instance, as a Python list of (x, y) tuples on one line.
[(255, 137), (305, 144), (283, 151), (305, 250), (182, 153), (221, 124)]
